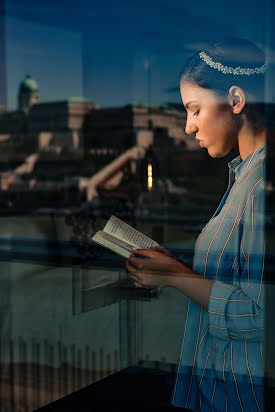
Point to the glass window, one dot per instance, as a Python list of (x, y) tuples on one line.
[(100, 116)]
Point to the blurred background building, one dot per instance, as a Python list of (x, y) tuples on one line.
[(73, 148)]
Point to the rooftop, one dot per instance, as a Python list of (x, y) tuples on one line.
[(28, 84)]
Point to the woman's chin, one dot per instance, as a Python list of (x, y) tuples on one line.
[(216, 153)]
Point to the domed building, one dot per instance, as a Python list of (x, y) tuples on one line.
[(28, 93), (38, 125)]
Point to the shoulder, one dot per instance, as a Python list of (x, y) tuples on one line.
[(251, 186), (257, 168), (253, 181)]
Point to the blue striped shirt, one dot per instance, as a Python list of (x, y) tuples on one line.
[(221, 359)]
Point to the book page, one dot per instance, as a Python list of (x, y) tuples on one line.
[(112, 243), (128, 234)]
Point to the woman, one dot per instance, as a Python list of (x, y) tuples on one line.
[(221, 360)]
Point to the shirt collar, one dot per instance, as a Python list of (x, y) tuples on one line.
[(240, 167)]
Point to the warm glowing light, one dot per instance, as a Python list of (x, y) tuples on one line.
[(150, 176)]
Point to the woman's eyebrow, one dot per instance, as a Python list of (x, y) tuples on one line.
[(189, 103)]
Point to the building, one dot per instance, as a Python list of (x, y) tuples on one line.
[(28, 93), (72, 146), (55, 123)]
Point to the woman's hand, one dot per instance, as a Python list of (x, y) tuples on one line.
[(164, 251), (152, 268)]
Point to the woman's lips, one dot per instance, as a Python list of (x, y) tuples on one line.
[(201, 142)]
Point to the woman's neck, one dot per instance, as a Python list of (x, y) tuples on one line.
[(249, 141)]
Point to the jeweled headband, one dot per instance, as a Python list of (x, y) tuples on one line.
[(231, 70)]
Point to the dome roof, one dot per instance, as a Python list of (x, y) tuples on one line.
[(28, 84)]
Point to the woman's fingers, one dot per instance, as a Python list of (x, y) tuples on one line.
[(145, 253), (134, 268), (139, 257), (130, 266), (155, 271), (136, 281), (164, 251), (134, 277), (161, 249), (154, 262), (138, 285)]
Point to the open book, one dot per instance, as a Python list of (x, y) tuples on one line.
[(121, 238)]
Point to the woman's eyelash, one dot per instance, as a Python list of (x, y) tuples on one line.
[(196, 112)]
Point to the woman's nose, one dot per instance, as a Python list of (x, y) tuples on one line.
[(191, 126)]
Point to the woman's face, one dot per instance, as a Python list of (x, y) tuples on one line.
[(210, 119)]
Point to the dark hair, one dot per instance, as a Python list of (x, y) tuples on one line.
[(234, 53)]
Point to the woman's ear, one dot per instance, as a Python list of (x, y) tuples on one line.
[(236, 99)]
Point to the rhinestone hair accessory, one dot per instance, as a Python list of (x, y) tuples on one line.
[(231, 70)]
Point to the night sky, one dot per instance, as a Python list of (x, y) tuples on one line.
[(116, 52)]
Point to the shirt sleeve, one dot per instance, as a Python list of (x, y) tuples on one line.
[(236, 312)]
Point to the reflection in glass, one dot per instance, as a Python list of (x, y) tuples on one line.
[(92, 124)]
